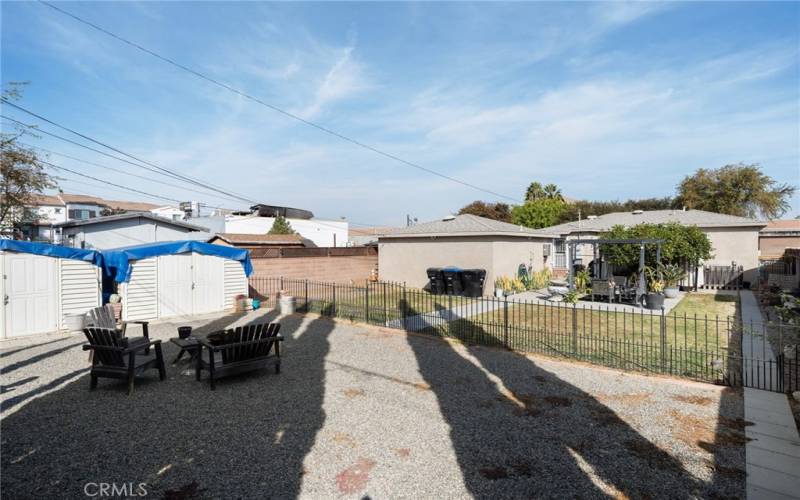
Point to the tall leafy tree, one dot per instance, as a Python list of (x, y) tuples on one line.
[(538, 213), (22, 175), (496, 211), (281, 226), (740, 189)]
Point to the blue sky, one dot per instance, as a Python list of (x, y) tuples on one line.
[(607, 100)]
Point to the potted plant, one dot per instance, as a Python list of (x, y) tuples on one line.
[(672, 274), (499, 292), (655, 290)]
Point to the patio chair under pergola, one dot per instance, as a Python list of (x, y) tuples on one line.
[(641, 287)]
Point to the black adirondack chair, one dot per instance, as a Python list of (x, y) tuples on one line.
[(103, 317), (239, 350), (115, 356)]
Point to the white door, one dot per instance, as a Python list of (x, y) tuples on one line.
[(30, 294), (208, 272), (175, 285)]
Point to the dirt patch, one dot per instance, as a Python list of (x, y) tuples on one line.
[(693, 400), (422, 386), (696, 431), (627, 399), (494, 473), (345, 439), (353, 392), (403, 452), (354, 478)]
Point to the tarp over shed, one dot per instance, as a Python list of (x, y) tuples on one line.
[(117, 262), (48, 250)]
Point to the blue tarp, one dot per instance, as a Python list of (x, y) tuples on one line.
[(117, 262), (49, 250)]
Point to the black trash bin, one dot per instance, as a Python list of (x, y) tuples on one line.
[(453, 284), (473, 282), (436, 280)]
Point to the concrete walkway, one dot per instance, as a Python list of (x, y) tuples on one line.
[(773, 446)]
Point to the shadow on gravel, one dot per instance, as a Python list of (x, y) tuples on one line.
[(246, 439), (38, 357), (538, 436)]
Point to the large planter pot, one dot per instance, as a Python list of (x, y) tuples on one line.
[(499, 293), (671, 292), (654, 300)]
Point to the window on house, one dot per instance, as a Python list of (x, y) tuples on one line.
[(57, 210), (560, 255), (80, 214)]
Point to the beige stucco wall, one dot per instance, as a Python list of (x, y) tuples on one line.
[(407, 259), (739, 245)]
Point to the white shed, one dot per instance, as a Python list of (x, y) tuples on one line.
[(43, 283), (178, 278)]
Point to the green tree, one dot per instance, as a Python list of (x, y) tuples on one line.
[(539, 213), (535, 192), (552, 192), (496, 211), (682, 244), (740, 189), (281, 226), (22, 175)]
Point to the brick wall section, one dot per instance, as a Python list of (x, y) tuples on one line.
[(338, 269)]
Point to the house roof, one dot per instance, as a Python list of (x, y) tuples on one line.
[(699, 218), (133, 215), (782, 226), (260, 239), (465, 225), (370, 231), (61, 199)]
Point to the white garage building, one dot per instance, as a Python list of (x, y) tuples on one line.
[(44, 283), (178, 278)]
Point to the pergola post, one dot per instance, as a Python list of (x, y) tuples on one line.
[(641, 289), (570, 270)]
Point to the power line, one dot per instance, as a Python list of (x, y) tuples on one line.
[(107, 182), (112, 148), (272, 106), (109, 155), (112, 168)]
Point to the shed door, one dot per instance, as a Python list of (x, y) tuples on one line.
[(30, 294), (175, 285), (208, 273)]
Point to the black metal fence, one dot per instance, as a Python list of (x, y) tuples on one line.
[(708, 348)]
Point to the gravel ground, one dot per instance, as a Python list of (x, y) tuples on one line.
[(360, 411)]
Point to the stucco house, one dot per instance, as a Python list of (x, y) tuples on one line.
[(258, 241), (114, 231), (465, 241), (734, 240), (776, 237)]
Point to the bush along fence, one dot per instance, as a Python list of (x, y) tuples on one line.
[(707, 348)]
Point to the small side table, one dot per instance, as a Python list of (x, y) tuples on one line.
[(188, 345)]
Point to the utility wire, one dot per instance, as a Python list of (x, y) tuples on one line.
[(272, 106), (112, 148), (112, 168), (145, 167), (106, 182)]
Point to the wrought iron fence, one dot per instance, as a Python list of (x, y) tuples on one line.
[(709, 348)]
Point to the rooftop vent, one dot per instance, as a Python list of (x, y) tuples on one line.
[(449, 217), (638, 212)]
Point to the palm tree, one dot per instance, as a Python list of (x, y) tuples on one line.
[(551, 191), (534, 192)]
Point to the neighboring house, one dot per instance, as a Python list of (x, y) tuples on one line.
[(323, 233), (47, 211), (779, 235), (257, 241), (465, 241), (113, 231), (363, 236), (734, 240)]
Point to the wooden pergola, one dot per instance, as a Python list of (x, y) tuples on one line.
[(641, 286)]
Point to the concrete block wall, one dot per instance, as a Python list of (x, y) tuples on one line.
[(337, 269)]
